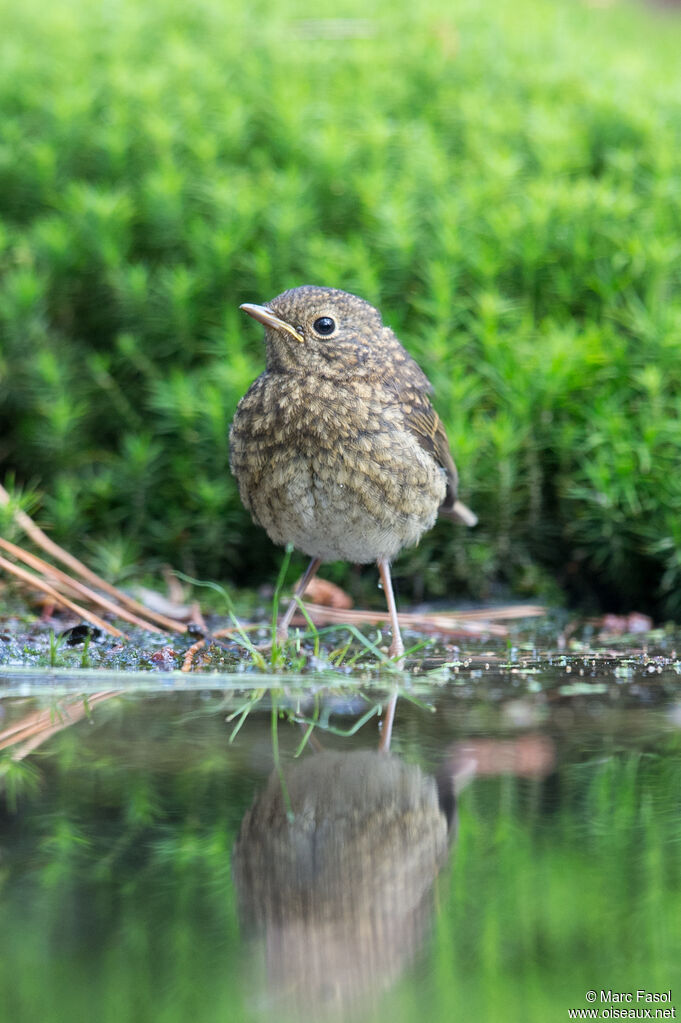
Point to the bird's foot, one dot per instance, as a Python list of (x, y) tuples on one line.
[(396, 651), (282, 635), (280, 639)]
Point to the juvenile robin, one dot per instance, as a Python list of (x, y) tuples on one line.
[(336, 447)]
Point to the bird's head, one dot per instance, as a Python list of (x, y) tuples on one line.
[(323, 331)]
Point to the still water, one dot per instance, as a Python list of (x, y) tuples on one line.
[(517, 845)]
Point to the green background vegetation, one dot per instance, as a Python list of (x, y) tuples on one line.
[(503, 180)]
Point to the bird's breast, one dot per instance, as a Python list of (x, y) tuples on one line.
[(332, 470)]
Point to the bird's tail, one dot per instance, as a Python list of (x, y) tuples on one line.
[(459, 512)]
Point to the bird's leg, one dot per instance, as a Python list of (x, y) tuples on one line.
[(397, 646), (308, 576), (387, 725)]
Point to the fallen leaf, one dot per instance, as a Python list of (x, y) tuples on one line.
[(327, 594), (618, 625)]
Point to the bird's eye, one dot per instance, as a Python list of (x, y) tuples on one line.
[(324, 326)]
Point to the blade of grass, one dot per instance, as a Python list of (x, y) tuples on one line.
[(338, 656), (302, 719), (386, 661), (281, 578), (274, 720), (310, 728), (243, 641), (209, 585), (314, 631), (244, 712), (404, 694), (417, 646)]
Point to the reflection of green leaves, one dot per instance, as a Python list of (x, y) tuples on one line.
[(64, 848), (142, 805), (18, 779)]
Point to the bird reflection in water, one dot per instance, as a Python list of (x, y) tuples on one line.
[(335, 877)]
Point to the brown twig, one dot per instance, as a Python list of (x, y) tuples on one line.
[(33, 730), (188, 662), (462, 623), (95, 598), (465, 624), (229, 630), (78, 568), (39, 584)]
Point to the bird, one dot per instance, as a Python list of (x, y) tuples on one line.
[(334, 869), (336, 447)]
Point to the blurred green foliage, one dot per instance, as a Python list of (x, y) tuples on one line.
[(502, 181)]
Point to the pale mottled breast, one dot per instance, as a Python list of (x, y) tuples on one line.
[(332, 469)]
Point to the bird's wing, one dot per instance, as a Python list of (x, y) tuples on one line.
[(423, 422), (410, 383)]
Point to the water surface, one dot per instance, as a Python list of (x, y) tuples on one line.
[(517, 846)]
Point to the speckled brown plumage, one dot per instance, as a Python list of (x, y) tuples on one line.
[(336, 447), (334, 872)]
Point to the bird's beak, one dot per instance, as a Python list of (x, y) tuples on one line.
[(266, 316)]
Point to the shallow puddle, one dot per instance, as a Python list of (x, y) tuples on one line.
[(517, 847)]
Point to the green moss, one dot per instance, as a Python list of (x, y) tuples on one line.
[(502, 182)]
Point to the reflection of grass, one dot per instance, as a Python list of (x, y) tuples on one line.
[(285, 705), (242, 712), (558, 888), (274, 732)]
